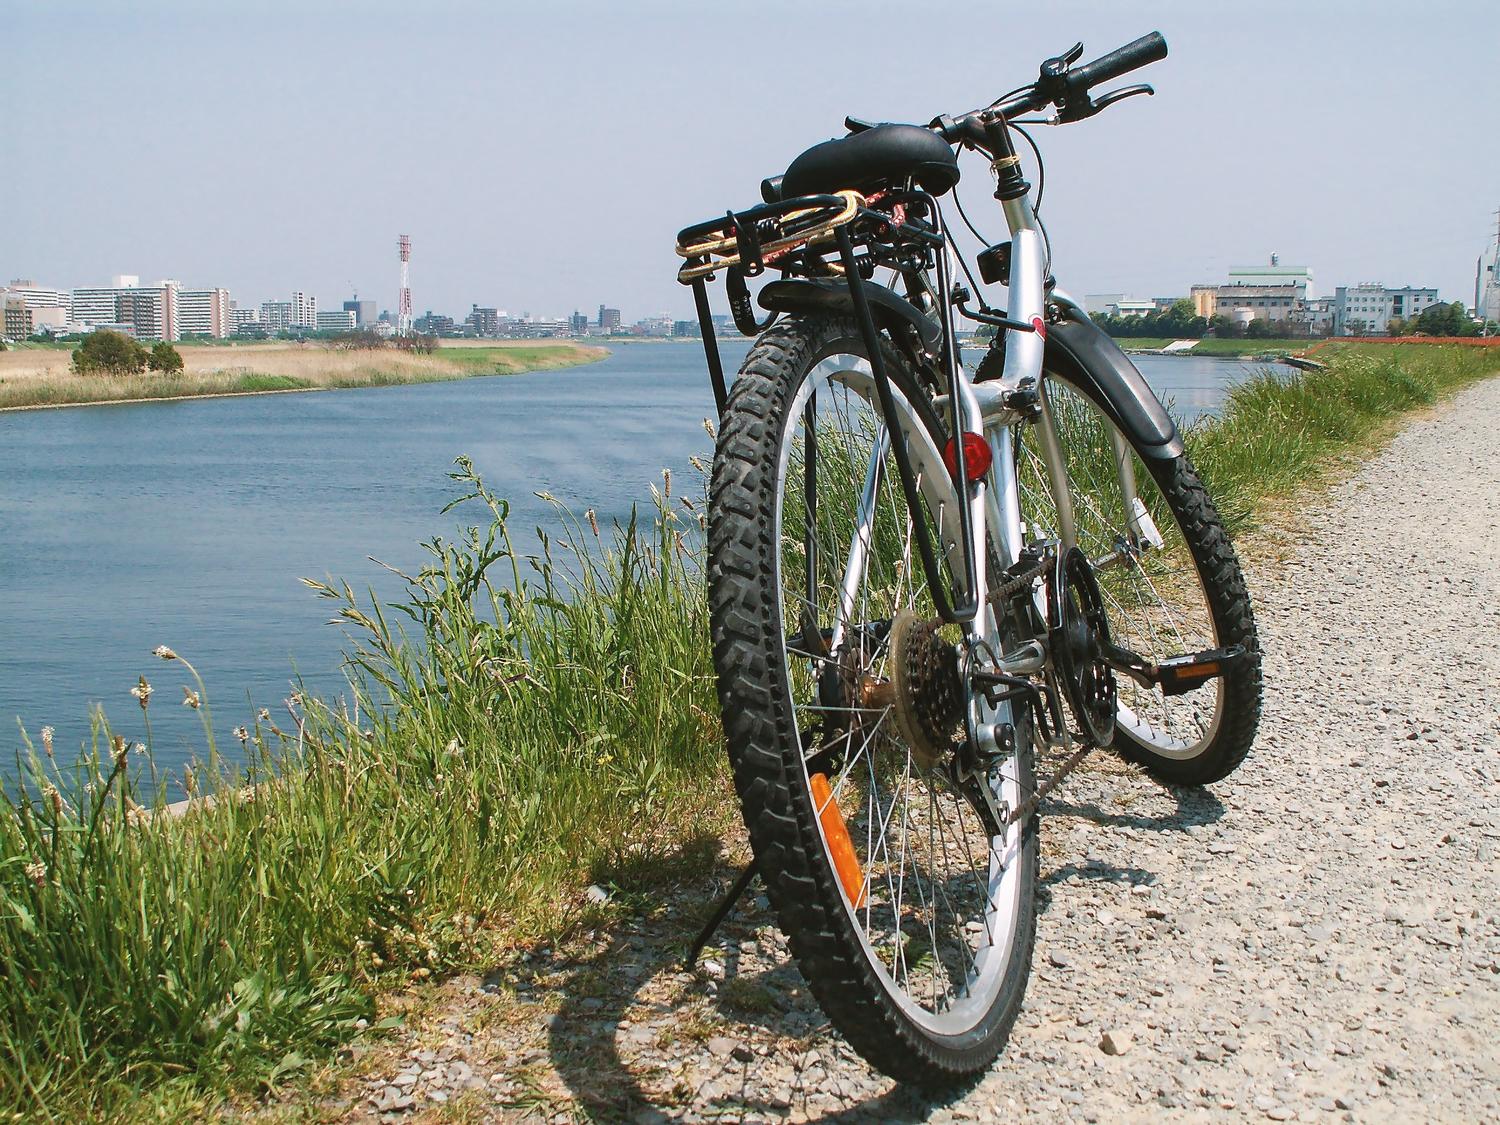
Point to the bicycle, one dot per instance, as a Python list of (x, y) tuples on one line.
[(919, 578)]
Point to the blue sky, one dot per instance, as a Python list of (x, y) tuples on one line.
[(542, 157)]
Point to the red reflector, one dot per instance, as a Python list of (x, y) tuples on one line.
[(976, 457)]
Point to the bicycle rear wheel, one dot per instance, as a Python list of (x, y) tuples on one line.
[(910, 911)]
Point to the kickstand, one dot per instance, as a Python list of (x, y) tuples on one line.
[(720, 913)]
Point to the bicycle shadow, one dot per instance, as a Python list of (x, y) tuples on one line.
[(650, 1071), (638, 1038), (1196, 807)]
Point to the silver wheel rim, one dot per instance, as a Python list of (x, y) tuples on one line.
[(971, 936), (1157, 609)]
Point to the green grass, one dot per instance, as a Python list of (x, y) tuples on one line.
[(1279, 430), (526, 722), (505, 361), (257, 382)]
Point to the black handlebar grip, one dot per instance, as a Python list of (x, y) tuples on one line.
[(1147, 49)]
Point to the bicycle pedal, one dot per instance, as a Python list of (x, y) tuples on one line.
[(1178, 675)]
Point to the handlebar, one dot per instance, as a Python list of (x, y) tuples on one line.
[(1144, 51), (1062, 85)]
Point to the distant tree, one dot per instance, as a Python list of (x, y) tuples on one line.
[(1446, 320), (109, 353), (359, 339), (165, 358), (1258, 329), (419, 343)]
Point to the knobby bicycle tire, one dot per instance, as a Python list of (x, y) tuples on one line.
[(1227, 617), (874, 1011)]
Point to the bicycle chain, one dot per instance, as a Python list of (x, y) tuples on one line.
[(1013, 586), (997, 599)]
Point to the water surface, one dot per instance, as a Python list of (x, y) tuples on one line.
[(189, 523)]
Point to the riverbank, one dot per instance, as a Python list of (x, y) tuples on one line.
[(544, 730), (42, 377)]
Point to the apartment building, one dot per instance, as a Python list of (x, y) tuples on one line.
[(304, 310), (276, 315), (35, 296), (204, 312), (482, 321)]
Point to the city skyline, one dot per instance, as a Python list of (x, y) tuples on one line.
[(522, 186)]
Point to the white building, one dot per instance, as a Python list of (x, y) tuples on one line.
[(96, 306), (276, 315), (304, 310), (1301, 277), (239, 317), (337, 320), (1487, 284), (148, 312), (35, 296), (1366, 310), (1117, 304), (1100, 304)]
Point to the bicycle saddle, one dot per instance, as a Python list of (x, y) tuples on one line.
[(872, 159)]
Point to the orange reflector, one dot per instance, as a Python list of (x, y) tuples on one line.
[(976, 457), (845, 862)]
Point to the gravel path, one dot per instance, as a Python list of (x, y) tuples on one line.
[(1316, 938)]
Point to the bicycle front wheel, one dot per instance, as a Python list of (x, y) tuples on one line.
[(1170, 581), (908, 903)]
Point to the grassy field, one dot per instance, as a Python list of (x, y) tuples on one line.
[(41, 376), (531, 719)]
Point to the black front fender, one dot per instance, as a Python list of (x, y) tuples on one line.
[(1080, 352)]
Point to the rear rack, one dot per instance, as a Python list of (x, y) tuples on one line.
[(793, 235), (761, 236)]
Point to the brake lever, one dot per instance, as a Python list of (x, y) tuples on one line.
[(1120, 95), (1086, 109)]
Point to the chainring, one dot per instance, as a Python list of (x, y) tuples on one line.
[(1078, 636)]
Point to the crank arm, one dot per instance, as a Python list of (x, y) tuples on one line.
[(1176, 675)]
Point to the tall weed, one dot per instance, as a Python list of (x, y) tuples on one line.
[(521, 724)]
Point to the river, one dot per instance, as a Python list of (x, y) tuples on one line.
[(189, 523)]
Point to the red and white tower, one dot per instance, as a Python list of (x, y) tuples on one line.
[(403, 307)]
